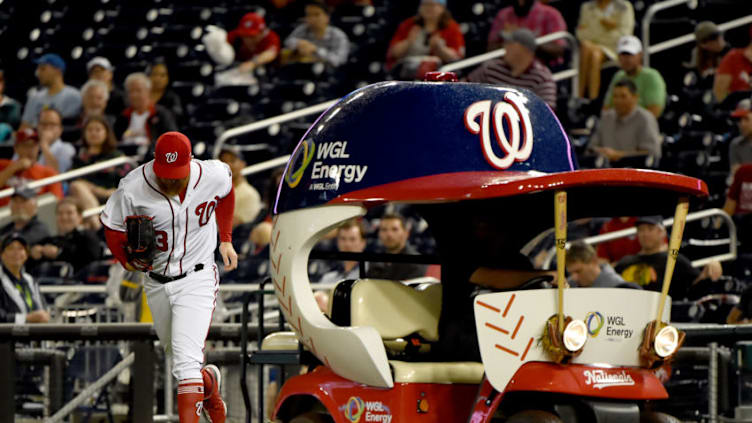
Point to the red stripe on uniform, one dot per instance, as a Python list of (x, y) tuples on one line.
[(185, 240), (200, 171), (214, 307), (167, 266)]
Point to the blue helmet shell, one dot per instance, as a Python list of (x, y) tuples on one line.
[(397, 131)]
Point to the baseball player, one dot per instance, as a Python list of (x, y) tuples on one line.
[(179, 195)]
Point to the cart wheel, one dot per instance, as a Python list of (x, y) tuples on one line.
[(534, 416), (654, 417), (312, 417)]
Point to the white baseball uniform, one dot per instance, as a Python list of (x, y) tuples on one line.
[(186, 237)]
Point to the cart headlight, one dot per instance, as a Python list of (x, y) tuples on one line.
[(575, 335), (666, 341)]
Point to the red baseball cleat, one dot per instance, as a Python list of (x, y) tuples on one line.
[(215, 409)]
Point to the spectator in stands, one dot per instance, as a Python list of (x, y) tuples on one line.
[(262, 232), (161, 93), (20, 299), (94, 100), (247, 199), (10, 112), (23, 216), (351, 238), (740, 148), (94, 189), (316, 40), (627, 129), (587, 272), (539, 18), (613, 251), (739, 197), (709, 49), (73, 244), (54, 94), (734, 71), (425, 41), (252, 44), (519, 68), (651, 88), (393, 234), (647, 268), (55, 152), (24, 169), (100, 69), (600, 25), (742, 312), (143, 122)]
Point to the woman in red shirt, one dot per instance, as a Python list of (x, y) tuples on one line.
[(426, 41)]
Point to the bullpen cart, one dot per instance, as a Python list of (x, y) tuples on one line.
[(488, 168)]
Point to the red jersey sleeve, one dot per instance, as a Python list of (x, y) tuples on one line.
[(727, 63), (454, 38), (742, 174), (116, 241), (401, 34), (225, 210), (601, 250)]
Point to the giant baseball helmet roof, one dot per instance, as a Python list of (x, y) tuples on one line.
[(438, 142)]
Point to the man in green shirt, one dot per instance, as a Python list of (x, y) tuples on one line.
[(651, 87)]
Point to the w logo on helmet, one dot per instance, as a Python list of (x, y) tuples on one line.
[(510, 121), (171, 157)]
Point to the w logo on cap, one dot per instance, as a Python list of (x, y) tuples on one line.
[(171, 157)]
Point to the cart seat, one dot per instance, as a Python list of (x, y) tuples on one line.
[(452, 372), (280, 341), (394, 309)]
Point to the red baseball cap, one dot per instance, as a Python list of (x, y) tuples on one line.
[(26, 135), (251, 24), (172, 156)]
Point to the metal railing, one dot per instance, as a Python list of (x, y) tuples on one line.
[(265, 123), (249, 170), (669, 44), (648, 18), (71, 174), (610, 236), (141, 337), (471, 61), (102, 289)]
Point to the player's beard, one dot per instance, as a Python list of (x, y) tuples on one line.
[(171, 187)]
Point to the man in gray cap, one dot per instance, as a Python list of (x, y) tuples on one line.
[(100, 69), (54, 94), (518, 68), (23, 216), (709, 49)]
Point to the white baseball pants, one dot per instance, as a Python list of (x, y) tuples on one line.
[(182, 312)]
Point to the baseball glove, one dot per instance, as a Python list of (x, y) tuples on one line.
[(141, 247)]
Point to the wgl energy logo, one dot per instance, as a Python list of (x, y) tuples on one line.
[(594, 322), (306, 150), (615, 326), (370, 411)]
